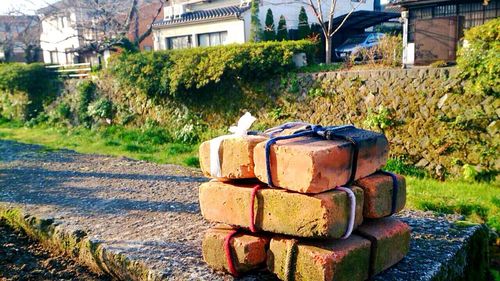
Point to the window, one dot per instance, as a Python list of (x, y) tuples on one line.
[(61, 21), (445, 10), (212, 39), (147, 48), (179, 42)]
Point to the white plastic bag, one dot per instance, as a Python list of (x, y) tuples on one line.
[(240, 130)]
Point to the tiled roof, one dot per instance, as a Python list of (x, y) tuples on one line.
[(203, 15)]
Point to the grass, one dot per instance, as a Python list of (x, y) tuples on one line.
[(478, 202), (321, 67), (142, 144)]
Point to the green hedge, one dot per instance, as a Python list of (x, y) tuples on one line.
[(479, 58), (24, 89), (170, 73)]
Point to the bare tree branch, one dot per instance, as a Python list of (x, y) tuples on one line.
[(328, 30), (353, 8)]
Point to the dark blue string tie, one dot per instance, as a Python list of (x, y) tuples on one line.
[(328, 133), (395, 190)]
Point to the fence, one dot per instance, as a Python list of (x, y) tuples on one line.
[(77, 70)]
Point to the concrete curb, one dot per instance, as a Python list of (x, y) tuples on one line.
[(77, 245)]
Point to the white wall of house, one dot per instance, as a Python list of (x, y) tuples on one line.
[(238, 30), (234, 27), (59, 35)]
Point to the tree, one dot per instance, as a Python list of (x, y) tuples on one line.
[(255, 26), (269, 30), (104, 24), (282, 29), (327, 23), (20, 32), (304, 30)]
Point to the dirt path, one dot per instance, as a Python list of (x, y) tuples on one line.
[(24, 259)]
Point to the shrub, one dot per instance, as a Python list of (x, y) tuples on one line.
[(86, 90), (101, 109), (439, 63), (63, 111), (174, 72), (388, 52), (27, 88), (478, 59)]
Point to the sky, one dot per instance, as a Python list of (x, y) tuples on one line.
[(25, 6), (30, 6)]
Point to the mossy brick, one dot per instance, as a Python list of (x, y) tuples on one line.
[(248, 250), (280, 211), (378, 192), (235, 157), (392, 241), (314, 165), (337, 260)]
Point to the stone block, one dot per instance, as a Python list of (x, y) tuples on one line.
[(378, 192), (235, 157), (280, 211), (314, 165), (248, 250), (392, 242), (338, 260)]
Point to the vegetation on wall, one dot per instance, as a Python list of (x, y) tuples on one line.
[(479, 59), (25, 89)]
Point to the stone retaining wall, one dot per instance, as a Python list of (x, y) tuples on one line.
[(428, 118)]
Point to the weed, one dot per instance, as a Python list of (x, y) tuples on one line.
[(381, 118), (398, 165), (192, 161)]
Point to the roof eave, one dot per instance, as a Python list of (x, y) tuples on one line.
[(209, 20)]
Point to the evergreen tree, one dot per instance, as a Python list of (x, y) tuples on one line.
[(269, 30), (255, 26), (304, 30), (282, 33)]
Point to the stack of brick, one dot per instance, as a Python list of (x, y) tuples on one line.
[(284, 205)]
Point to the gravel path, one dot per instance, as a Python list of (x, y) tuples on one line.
[(150, 212)]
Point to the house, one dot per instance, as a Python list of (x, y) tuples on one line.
[(19, 38), (433, 28), (64, 37), (193, 23), (147, 14)]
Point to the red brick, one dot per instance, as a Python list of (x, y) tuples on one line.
[(313, 165), (248, 250), (378, 190), (339, 260), (280, 211), (236, 157), (393, 241)]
